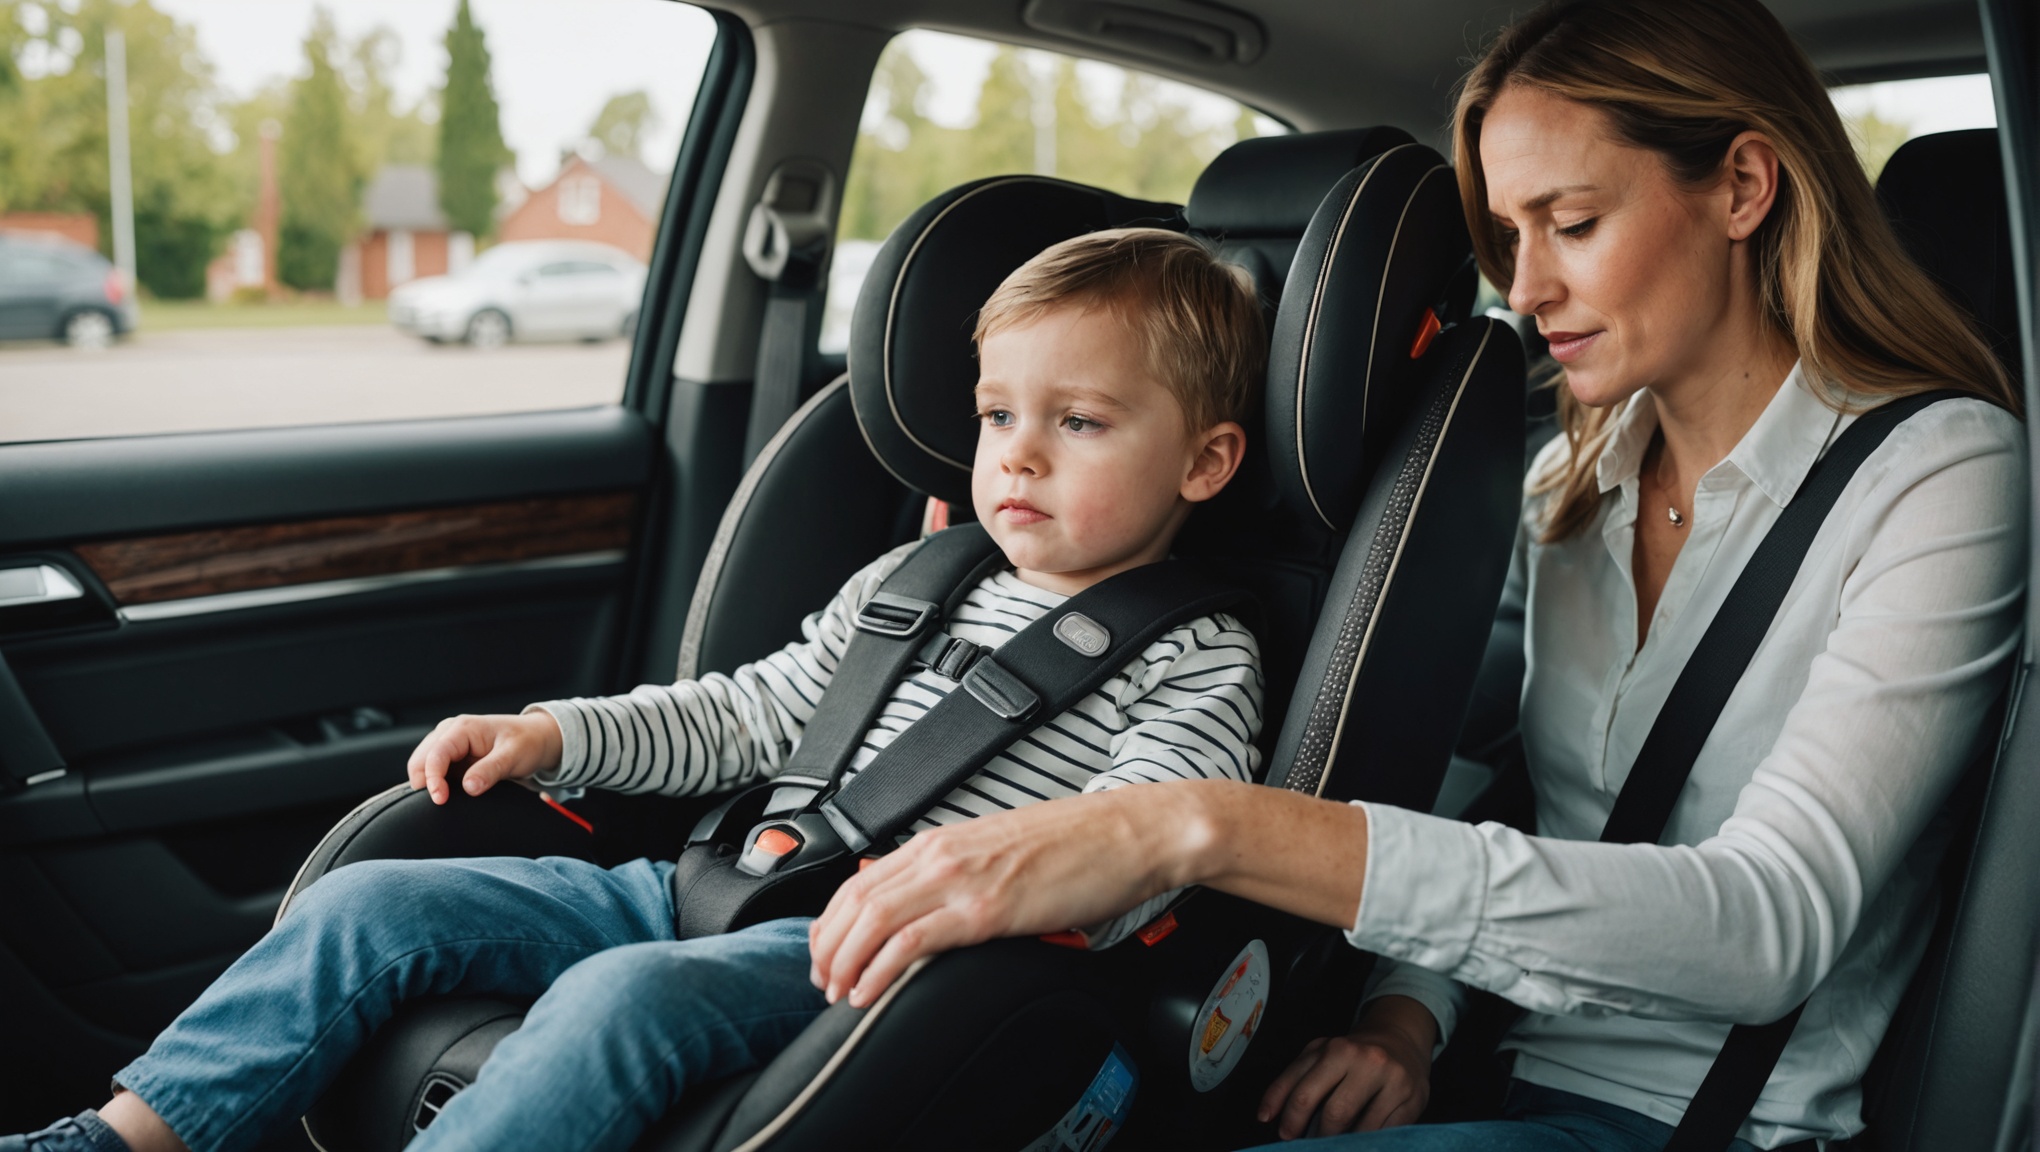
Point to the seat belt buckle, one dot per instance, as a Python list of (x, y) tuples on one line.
[(784, 845), (890, 614), (1000, 691)]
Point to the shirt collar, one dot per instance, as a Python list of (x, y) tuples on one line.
[(1775, 454)]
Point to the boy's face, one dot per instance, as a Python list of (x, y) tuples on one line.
[(1085, 464)]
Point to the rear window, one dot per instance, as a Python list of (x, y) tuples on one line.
[(1880, 117)]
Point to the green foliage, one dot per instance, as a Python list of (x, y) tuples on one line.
[(318, 169), (53, 143), (382, 134), (471, 148), (1876, 139), (1033, 115), (623, 123)]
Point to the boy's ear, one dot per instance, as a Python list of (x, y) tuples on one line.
[(1220, 450)]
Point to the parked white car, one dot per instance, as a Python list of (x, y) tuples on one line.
[(526, 290)]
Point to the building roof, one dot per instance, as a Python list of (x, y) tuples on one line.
[(404, 196), (644, 188)]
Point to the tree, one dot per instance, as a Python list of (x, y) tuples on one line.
[(623, 124), (471, 148), (318, 171), (53, 147), (383, 134)]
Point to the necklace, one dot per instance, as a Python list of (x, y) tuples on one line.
[(1671, 510)]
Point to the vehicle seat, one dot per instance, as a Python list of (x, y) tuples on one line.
[(1418, 455), (1947, 1074)]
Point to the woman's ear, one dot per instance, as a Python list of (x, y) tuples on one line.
[(1222, 448), (1752, 183)]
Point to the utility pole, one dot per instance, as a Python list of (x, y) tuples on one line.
[(1043, 77), (119, 176)]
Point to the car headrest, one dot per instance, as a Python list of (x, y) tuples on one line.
[(912, 364), (1945, 195), (1386, 258), (1255, 199)]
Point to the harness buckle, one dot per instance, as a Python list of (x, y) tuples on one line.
[(782, 845), (950, 656), (999, 690), (890, 614)]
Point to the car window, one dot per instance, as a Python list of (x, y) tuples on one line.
[(327, 196), (946, 109), (1880, 117), (19, 266)]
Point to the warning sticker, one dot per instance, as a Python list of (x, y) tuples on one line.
[(1099, 1113), (1240, 995)]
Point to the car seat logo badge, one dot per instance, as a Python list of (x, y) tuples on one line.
[(1084, 634), (1230, 1016)]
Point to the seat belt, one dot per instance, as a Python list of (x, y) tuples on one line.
[(1644, 805), (809, 833), (786, 242)]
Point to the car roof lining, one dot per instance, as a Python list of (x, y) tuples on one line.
[(1395, 61)]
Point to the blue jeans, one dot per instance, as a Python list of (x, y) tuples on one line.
[(1534, 1119), (626, 1017)]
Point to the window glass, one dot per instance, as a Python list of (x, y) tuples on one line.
[(946, 109), (327, 195), (1880, 117)]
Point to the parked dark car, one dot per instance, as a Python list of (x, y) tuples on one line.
[(52, 289)]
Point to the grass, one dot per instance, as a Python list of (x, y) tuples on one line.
[(174, 315)]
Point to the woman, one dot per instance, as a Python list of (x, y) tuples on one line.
[(1667, 189)]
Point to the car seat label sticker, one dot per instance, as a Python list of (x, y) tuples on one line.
[(1229, 1018), (1099, 1113)]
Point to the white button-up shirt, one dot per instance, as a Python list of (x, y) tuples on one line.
[(1801, 856)]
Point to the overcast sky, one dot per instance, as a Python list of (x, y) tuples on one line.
[(555, 61)]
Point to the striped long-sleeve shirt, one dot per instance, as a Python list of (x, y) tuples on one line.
[(1188, 707)]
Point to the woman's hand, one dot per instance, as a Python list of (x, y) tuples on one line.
[(1054, 866), (1043, 868), (1377, 1076), (500, 748)]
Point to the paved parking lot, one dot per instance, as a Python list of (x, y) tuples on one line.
[(203, 380)]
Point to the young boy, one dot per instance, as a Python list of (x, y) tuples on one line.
[(1114, 369)]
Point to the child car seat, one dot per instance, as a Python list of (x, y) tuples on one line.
[(1387, 488)]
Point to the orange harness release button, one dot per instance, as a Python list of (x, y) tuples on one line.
[(776, 842)]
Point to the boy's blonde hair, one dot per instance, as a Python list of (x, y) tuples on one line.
[(1197, 317)]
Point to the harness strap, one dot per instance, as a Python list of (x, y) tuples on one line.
[(1644, 806), (1004, 694), (891, 628)]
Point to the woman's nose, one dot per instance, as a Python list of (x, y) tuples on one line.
[(1536, 284)]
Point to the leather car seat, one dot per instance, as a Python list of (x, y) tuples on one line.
[(1386, 496), (1948, 1072)]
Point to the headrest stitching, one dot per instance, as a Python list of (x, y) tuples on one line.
[(1402, 539), (892, 310), (1310, 326)]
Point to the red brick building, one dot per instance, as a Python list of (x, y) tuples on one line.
[(407, 236), (611, 199)]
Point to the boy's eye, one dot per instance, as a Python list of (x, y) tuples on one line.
[(1575, 231), (996, 417), (1076, 423)]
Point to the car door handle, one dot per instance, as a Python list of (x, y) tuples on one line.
[(41, 584)]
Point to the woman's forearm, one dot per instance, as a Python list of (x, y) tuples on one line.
[(1290, 851)]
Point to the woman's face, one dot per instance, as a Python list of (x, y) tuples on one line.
[(1631, 277)]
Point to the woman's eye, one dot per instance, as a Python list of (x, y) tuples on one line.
[(1575, 231)]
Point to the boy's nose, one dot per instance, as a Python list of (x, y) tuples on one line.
[(1022, 455)]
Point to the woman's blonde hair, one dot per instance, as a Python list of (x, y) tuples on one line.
[(1684, 78)]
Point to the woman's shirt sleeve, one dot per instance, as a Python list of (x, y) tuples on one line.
[(717, 732), (1741, 926)]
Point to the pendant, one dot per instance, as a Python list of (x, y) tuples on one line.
[(1678, 521)]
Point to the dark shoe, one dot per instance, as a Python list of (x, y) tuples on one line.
[(85, 1132)]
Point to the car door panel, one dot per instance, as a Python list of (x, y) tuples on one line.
[(271, 620)]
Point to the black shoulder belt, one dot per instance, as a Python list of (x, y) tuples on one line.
[(1644, 806), (805, 831)]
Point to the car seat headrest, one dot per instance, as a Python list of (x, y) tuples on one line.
[(1271, 186), (1386, 259), (912, 364), (1945, 195)]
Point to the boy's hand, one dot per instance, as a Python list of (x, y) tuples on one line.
[(495, 748), (1377, 1076)]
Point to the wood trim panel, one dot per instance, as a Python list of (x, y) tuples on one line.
[(152, 569)]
